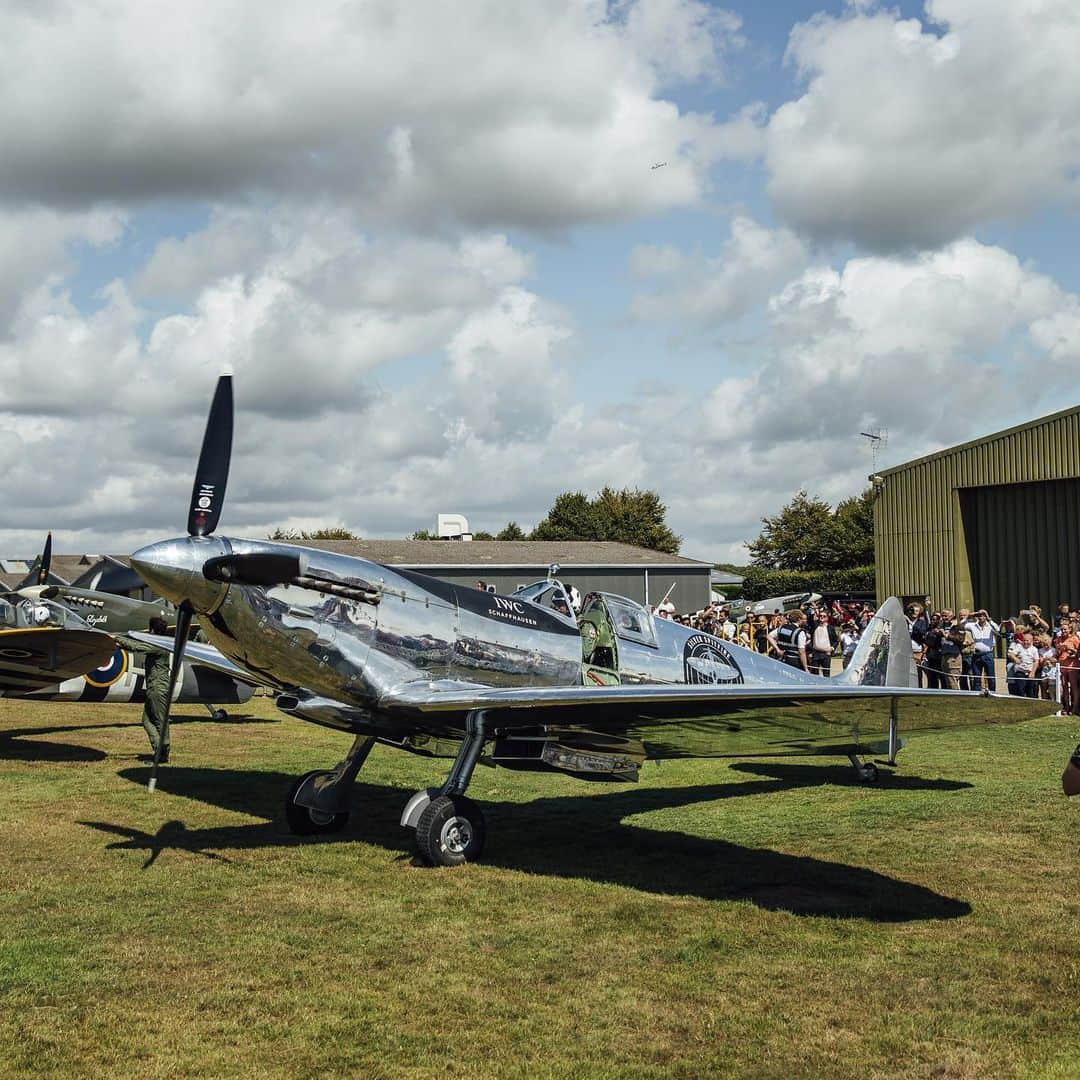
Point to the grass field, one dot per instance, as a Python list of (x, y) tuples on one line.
[(759, 918)]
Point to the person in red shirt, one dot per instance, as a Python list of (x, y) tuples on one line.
[(1068, 649)]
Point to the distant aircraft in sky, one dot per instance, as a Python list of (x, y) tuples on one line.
[(659, 165)]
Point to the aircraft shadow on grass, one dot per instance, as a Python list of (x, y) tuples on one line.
[(23, 744), (575, 837)]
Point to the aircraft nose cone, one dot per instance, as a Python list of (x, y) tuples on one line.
[(173, 569)]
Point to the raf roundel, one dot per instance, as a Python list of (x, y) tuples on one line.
[(204, 502), (109, 673)]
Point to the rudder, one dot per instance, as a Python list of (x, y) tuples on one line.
[(883, 656)]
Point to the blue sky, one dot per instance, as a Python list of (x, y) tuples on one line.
[(432, 247)]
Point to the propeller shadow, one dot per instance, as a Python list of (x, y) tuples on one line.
[(23, 744), (575, 837)]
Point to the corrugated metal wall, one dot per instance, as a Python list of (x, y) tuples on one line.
[(921, 542)]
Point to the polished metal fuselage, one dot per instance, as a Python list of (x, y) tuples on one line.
[(424, 629), (392, 664), (354, 651)]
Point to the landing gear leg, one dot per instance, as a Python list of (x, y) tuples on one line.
[(318, 802), (449, 827), (895, 742)]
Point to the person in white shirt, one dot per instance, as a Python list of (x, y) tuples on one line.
[(985, 631), (849, 641), (725, 628), (1024, 666)]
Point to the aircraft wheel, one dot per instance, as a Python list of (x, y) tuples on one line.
[(868, 773), (450, 831), (219, 716), (303, 821)]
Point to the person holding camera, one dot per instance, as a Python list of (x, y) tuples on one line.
[(1023, 667), (952, 652), (984, 632)]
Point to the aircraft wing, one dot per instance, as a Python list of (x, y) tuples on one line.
[(34, 657), (708, 720), (204, 655)]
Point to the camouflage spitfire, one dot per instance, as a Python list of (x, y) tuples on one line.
[(97, 660)]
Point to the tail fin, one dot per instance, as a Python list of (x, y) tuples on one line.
[(883, 656)]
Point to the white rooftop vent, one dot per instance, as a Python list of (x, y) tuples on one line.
[(453, 527)]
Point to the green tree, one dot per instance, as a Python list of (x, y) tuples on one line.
[(853, 531), (571, 517), (808, 534), (423, 534), (327, 532), (512, 531), (630, 516), (635, 517)]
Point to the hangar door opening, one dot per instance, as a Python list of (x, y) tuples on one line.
[(1022, 545)]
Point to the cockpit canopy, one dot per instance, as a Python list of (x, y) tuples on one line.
[(551, 595), (32, 614), (630, 621)]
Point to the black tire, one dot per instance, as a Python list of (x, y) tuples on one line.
[(305, 822), (220, 716), (450, 831), (868, 773)]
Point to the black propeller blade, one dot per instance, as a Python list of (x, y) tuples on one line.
[(46, 561), (207, 499), (183, 626), (208, 493)]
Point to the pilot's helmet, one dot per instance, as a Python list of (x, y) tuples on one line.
[(40, 614)]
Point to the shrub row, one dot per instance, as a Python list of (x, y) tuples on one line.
[(759, 583)]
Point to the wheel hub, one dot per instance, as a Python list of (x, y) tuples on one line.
[(456, 835), (320, 817)]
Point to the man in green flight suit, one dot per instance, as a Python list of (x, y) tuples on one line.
[(156, 669)]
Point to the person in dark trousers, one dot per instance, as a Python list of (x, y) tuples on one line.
[(793, 641), (931, 656), (156, 671)]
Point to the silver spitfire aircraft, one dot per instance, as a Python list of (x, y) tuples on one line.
[(406, 660)]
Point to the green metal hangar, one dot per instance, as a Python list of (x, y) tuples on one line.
[(640, 574), (992, 523)]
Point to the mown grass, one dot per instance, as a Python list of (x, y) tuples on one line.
[(761, 919)]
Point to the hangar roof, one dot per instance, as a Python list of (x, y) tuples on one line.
[(951, 451)]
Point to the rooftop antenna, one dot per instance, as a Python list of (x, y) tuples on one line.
[(877, 438)]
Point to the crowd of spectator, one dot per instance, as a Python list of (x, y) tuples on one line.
[(953, 650), (821, 631), (956, 651)]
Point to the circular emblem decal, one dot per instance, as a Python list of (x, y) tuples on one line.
[(708, 660), (204, 502), (109, 673), (16, 654)]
